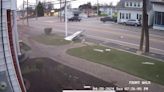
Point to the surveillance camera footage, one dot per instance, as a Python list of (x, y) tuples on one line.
[(82, 46)]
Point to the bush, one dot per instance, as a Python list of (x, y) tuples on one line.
[(47, 31), (103, 14)]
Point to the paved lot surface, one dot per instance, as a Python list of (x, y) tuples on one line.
[(58, 54)]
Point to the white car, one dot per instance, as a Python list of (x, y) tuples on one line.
[(133, 22)]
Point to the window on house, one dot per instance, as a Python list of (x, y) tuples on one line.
[(138, 4), (120, 15), (127, 16), (155, 18), (123, 16), (140, 17), (163, 18), (109, 13), (134, 4), (131, 4), (127, 4), (159, 18)]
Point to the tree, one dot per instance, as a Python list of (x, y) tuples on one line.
[(111, 4), (40, 9), (86, 7)]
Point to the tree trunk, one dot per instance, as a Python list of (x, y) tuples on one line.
[(142, 39), (146, 35), (145, 29), (146, 26)]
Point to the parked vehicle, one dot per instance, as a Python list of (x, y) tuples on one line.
[(105, 19), (75, 18), (133, 22)]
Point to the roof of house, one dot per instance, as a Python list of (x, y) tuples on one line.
[(121, 5), (106, 6), (161, 2)]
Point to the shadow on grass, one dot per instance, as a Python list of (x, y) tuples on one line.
[(46, 75)]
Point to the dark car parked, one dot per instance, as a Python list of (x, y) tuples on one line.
[(105, 19), (75, 18)]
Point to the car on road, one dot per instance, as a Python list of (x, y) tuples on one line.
[(74, 18), (105, 19), (133, 22)]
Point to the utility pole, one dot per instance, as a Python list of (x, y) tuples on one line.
[(23, 12), (27, 13), (146, 26), (142, 39), (97, 7), (60, 11), (36, 10), (145, 29), (66, 26)]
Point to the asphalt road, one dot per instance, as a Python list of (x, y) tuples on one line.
[(106, 32)]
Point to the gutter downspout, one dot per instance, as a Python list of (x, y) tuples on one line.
[(14, 57), (16, 43), (15, 32)]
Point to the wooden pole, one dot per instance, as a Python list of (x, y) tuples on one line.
[(146, 26), (27, 14)]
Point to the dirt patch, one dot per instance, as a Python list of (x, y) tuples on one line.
[(46, 75)]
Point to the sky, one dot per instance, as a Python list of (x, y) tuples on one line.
[(75, 4)]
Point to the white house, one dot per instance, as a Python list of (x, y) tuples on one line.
[(158, 8), (132, 9), (73, 12), (10, 76), (108, 10)]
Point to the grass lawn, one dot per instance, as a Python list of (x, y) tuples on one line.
[(123, 61), (51, 40)]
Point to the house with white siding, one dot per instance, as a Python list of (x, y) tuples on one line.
[(158, 9), (132, 9), (108, 10), (10, 75)]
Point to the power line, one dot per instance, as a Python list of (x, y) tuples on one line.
[(62, 2)]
